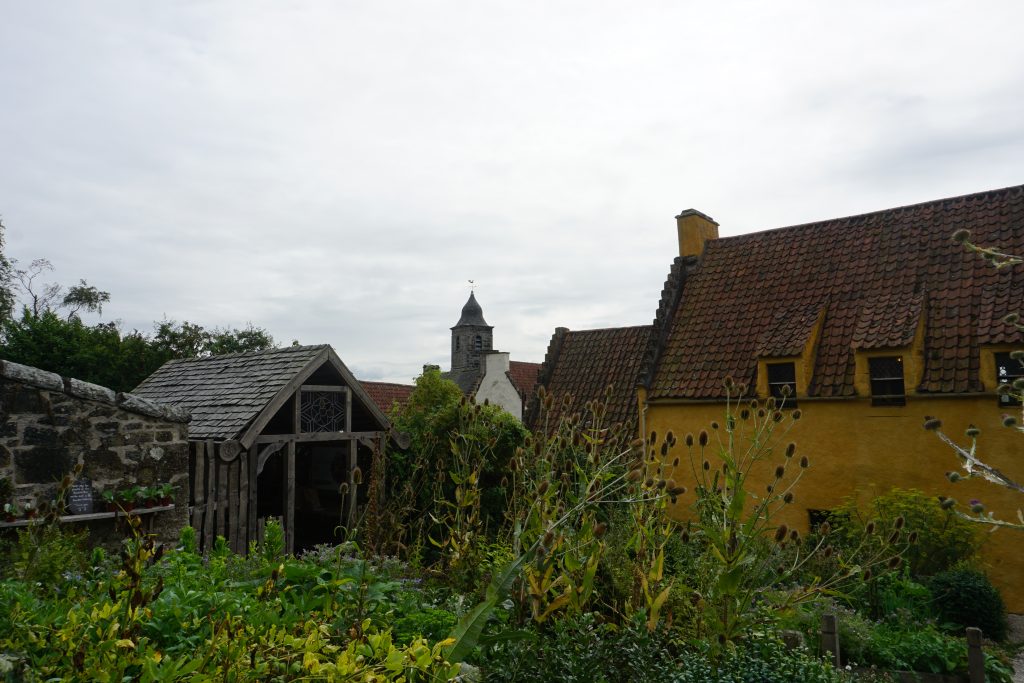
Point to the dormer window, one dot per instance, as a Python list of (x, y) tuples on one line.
[(782, 383), (887, 388), (1008, 370)]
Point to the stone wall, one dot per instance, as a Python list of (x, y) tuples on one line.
[(50, 424)]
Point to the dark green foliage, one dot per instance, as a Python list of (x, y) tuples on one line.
[(103, 354), (435, 414), (6, 281), (965, 597), (431, 623), (582, 649)]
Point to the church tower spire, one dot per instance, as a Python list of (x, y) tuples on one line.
[(472, 337)]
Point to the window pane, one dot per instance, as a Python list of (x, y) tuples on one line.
[(887, 388), (1007, 370), (780, 377)]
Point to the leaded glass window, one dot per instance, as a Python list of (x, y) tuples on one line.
[(782, 383), (1007, 370), (887, 388), (322, 411)]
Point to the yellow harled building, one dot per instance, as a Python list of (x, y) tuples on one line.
[(873, 322)]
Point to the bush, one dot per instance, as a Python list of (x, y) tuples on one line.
[(965, 597), (943, 539), (581, 649)]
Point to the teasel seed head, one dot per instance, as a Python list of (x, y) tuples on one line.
[(600, 529), (953, 476), (689, 439), (788, 498), (894, 538), (912, 538), (899, 522), (948, 504), (780, 533), (702, 439), (972, 432), (804, 462), (543, 487), (933, 424), (1009, 421), (895, 562), (870, 528), (357, 476), (780, 471), (707, 466), (635, 475), (795, 415), (790, 450), (714, 425), (962, 235)]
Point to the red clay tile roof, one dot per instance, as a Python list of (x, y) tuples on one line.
[(582, 364), (524, 377), (874, 275), (384, 394)]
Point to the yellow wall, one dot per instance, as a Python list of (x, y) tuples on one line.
[(856, 447)]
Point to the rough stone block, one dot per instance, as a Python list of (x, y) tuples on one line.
[(35, 435), (41, 465), (5, 456), (103, 465), (20, 399), (29, 375), (9, 428), (164, 436), (90, 392)]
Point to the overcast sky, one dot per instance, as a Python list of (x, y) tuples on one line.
[(337, 171)]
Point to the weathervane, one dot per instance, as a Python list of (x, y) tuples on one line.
[(472, 285)]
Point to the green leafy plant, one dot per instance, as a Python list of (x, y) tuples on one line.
[(965, 597)]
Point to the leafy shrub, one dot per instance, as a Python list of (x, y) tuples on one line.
[(966, 597), (943, 539), (854, 630), (430, 623), (581, 649)]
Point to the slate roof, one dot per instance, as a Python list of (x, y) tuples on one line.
[(472, 314), (386, 394), (524, 377), (225, 393), (872, 277), (581, 364)]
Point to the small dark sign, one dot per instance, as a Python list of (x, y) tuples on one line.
[(80, 497)]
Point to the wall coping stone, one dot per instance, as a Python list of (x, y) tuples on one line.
[(86, 390), (51, 381), (29, 375)]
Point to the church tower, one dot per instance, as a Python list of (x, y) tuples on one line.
[(472, 337)]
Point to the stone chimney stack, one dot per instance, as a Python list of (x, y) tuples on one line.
[(694, 230)]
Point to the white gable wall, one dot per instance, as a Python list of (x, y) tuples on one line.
[(496, 387)]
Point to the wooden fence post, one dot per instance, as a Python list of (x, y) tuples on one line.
[(975, 657), (830, 638)]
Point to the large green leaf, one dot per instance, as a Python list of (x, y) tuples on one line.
[(469, 629)]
